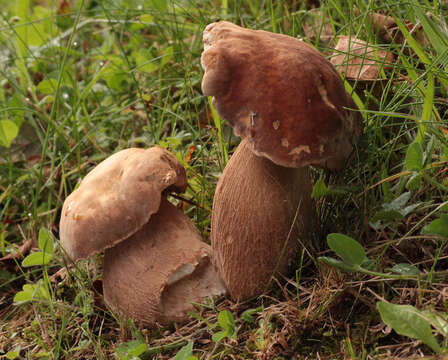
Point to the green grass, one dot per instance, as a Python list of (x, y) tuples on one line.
[(83, 80)]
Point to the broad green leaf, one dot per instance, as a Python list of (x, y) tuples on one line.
[(186, 352), (131, 349), (393, 211), (25, 295), (398, 203), (347, 248), (16, 112), (146, 18), (8, 132), (217, 337), (37, 258), (319, 189), (247, 315), (437, 227), (384, 217), (36, 35), (159, 5), (414, 157), (32, 292), (227, 322), (408, 321), (337, 264), (22, 8), (12, 354), (145, 61), (368, 264), (405, 269), (115, 73), (168, 54), (436, 320), (48, 86), (21, 32), (415, 182), (45, 241), (115, 78)]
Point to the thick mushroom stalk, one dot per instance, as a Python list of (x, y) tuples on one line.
[(260, 212), (158, 273), (290, 106), (155, 263)]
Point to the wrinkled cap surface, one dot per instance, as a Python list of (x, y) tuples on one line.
[(279, 93), (355, 60), (117, 198)]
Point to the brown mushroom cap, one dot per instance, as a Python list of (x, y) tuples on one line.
[(117, 198), (254, 235), (156, 274), (280, 94)]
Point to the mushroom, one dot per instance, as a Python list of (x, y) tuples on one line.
[(155, 263), (260, 210), (290, 106)]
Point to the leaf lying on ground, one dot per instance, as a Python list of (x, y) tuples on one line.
[(389, 30), (347, 248), (408, 321), (437, 227), (317, 25), (356, 60)]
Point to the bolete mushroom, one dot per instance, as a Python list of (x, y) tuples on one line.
[(155, 263), (260, 210), (290, 105)]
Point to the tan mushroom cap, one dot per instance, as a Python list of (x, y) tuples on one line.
[(156, 274), (279, 93), (117, 198)]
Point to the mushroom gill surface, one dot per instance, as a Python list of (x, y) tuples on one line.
[(260, 211), (156, 274)]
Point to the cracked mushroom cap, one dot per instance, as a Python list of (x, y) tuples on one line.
[(281, 94), (117, 198), (156, 274)]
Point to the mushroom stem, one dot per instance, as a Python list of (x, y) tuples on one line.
[(157, 273), (260, 210)]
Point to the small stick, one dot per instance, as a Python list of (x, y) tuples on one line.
[(189, 201)]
